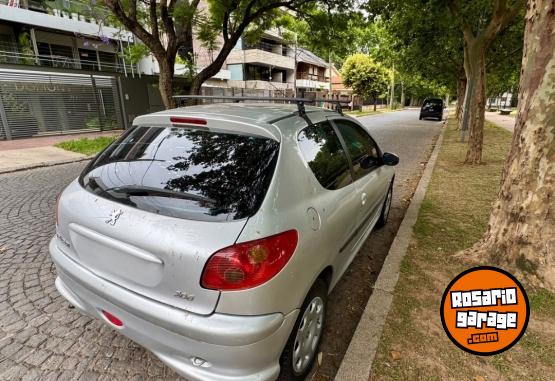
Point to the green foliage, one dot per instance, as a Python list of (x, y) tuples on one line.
[(329, 29), (425, 41), (134, 53), (26, 47), (365, 76)]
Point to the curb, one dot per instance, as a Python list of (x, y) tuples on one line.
[(43, 164), (357, 362)]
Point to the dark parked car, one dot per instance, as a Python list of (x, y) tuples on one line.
[(432, 108)]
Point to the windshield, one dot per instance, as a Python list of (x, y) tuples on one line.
[(185, 173)]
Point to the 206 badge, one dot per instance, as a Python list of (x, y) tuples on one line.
[(184, 295), (114, 215)]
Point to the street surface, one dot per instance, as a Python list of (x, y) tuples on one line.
[(41, 338)]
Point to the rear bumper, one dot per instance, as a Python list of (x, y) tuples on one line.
[(433, 114), (233, 347)]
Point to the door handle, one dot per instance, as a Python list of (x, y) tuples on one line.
[(363, 198)]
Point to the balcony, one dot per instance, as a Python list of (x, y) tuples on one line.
[(67, 16), (260, 85), (261, 57), (13, 57), (312, 77), (269, 47)]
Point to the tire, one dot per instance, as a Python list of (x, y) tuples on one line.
[(420, 117), (317, 299), (386, 207)]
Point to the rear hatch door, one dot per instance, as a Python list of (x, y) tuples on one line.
[(148, 212)]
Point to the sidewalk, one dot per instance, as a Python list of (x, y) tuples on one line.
[(19, 154), (505, 121)]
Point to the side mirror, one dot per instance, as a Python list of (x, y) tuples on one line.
[(390, 159), (369, 162)]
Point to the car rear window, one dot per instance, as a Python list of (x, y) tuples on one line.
[(433, 102), (185, 173)]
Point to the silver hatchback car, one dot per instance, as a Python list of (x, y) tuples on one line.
[(212, 234)]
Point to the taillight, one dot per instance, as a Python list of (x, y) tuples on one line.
[(249, 264)]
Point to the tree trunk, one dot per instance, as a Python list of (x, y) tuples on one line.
[(461, 88), (196, 85), (521, 232), (375, 103), (474, 108), (165, 81)]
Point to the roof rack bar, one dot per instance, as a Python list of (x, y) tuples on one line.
[(300, 102)]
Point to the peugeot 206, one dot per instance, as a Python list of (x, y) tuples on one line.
[(212, 234)]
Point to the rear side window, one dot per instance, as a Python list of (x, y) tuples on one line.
[(185, 173), (322, 150), (363, 151)]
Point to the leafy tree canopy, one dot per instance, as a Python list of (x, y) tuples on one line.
[(366, 77)]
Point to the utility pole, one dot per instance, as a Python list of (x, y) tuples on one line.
[(392, 97), (330, 96), (295, 69), (402, 95), (330, 69)]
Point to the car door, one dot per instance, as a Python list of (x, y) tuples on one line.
[(338, 202), (368, 171)]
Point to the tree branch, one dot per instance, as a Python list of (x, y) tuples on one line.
[(501, 18), (455, 10), (131, 23), (154, 19)]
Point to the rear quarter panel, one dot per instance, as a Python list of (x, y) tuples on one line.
[(293, 190)]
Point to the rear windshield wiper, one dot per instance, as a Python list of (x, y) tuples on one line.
[(140, 190)]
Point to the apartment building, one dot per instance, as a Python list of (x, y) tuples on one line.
[(61, 34), (61, 71)]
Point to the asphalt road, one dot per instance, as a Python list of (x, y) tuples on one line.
[(41, 338), (411, 139)]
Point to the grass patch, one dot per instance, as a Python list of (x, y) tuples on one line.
[(360, 113), (542, 302), (87, 146), (454, 215)]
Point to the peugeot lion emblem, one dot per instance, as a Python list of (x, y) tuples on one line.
[(114, 215)]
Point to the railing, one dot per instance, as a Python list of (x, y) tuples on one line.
[(266, 46), (16, 58), (312, 77), (65, 8)]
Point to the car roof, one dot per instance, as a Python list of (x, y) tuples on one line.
[(257, 112), (265, 116)]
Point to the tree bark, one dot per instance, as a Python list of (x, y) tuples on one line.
[(475, 48), (461, 89), (165, 81), (475, 69), (521, 231), (375, 103)]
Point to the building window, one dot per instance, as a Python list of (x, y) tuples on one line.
[(265, 73), (55, 55)]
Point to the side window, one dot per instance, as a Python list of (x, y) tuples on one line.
[(362, 149), (322, 150)]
